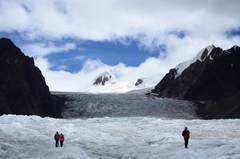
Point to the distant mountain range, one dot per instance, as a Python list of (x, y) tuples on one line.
[(108, 77), (212, 79), (111, 81)]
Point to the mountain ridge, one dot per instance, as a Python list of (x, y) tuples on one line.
[(23, 89), (212, 78)]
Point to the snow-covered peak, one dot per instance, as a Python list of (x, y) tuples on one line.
[(204, 53), (105, 77), (201, 56), (114, 82), (235, 47)]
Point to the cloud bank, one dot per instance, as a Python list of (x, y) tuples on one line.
[(111, 19), (183, 27)]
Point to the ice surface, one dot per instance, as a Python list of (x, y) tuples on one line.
[(31, 137), (134, 103)]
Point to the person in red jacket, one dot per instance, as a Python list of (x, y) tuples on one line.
[(186, 135), (61, 139)]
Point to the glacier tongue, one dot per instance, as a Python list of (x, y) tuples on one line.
[(31, 137), (134, 103)]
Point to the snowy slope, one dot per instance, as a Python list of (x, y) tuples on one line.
[(23, 137), (119, 83), (201, 56)]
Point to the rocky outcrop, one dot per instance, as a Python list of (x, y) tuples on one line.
[(228, 107), (213, 76), (103, 79), (22, 87), (139, 82)]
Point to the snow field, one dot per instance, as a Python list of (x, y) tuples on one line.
[(31, 137)]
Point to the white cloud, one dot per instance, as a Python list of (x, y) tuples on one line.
[(41, 49), (104, 20), (83, 80), (62, 67), (149, 22), (80, 57)]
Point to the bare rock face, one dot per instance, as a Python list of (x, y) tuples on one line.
[(103, 79), (22, 87), (213, 77), (139, 82)]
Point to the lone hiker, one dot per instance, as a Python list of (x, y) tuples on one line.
[(61, 138), (186, 135), (56, 137)]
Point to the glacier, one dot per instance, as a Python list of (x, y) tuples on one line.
[(131, 104), (31, 137)]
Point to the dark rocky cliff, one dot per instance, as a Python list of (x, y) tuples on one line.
[(104, 78), (213, 80), (22, 87)]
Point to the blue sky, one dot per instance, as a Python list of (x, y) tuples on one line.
[(233, 32), (110, 53)]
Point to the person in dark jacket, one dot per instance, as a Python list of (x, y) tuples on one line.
[(186, 135), (61, 138), (56, 137)]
